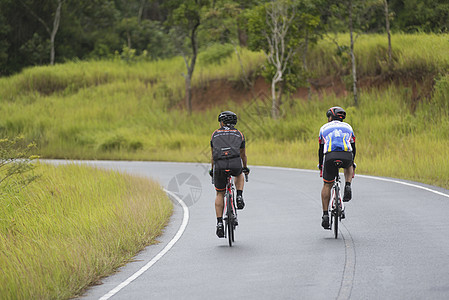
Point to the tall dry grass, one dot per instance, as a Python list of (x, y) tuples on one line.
[(73, 226)]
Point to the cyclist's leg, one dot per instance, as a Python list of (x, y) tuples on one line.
[(219, 204), (349, 171), (239, 182), (329, 173), (326, 195), (236, 169), (220, 187)]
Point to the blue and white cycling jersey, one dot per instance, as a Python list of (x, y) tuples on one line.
[(336, 136)]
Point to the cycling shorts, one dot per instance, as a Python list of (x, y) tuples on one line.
[(234, 165), (329, 168)]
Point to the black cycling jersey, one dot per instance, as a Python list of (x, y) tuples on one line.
[(226, 143)]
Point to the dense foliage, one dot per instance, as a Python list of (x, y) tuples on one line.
[(107, 28)]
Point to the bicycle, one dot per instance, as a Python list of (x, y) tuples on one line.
[(230, 211), (337, 208)]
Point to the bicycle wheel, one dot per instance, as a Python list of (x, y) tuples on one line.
[(335, 221), (337, 212), (234, 216), (230, 220)]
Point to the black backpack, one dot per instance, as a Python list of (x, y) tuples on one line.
[(226, 143)]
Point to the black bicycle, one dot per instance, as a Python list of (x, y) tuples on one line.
[(337, 208)]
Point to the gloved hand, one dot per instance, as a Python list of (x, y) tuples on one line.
[(211, 173), (353, 172), (246, 170), (321, 169)]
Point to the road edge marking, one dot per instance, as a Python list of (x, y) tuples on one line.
[(405, 183), (364, 176), (142, 270)]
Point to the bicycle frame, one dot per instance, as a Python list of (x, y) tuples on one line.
[(230, 212)]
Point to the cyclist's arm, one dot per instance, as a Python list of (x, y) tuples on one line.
[(353, 150), (321, 154), (243, 157), (211, 158)]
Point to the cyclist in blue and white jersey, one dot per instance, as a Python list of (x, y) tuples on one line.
[(337, 142)]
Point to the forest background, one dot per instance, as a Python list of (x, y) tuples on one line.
[(99, 29)]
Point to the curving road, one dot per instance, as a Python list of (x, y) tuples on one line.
[(394, 243)]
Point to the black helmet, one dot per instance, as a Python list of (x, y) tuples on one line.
[(228, 118), (337, 113)]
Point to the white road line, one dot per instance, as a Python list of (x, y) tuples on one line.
[(406, 183), (160, 254), (364, 176)]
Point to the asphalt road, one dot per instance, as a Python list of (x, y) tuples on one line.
[(394, 242)]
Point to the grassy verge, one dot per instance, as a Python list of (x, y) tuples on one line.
[(71, 227)]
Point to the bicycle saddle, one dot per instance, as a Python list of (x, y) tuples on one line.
[(338, 163)]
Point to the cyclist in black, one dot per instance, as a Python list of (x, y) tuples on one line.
[(228, 153), (337, 142)]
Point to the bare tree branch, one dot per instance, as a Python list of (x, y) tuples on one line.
[(37, 17)]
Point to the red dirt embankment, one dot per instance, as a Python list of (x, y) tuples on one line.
[(220, 91)]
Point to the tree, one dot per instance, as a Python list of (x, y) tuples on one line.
[(355, 16), (4, 44), (185, 21), (280, 28), (421, 15), (387, 28), (223, 24), (51, 31), (353, 62)]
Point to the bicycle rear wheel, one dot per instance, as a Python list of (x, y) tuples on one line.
[(230, 220), (336, 210), (335, 214)]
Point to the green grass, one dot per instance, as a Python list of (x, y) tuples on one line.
[(73, 226), (414, 55)]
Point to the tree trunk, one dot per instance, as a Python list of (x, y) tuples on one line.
[(140, 13), (274, 104), (242, 36), (54, 31), (129, 40), (353, 62), (188, 94), (51, 33), (304, 64), (387, 26), (274, 98), (191, 68)]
